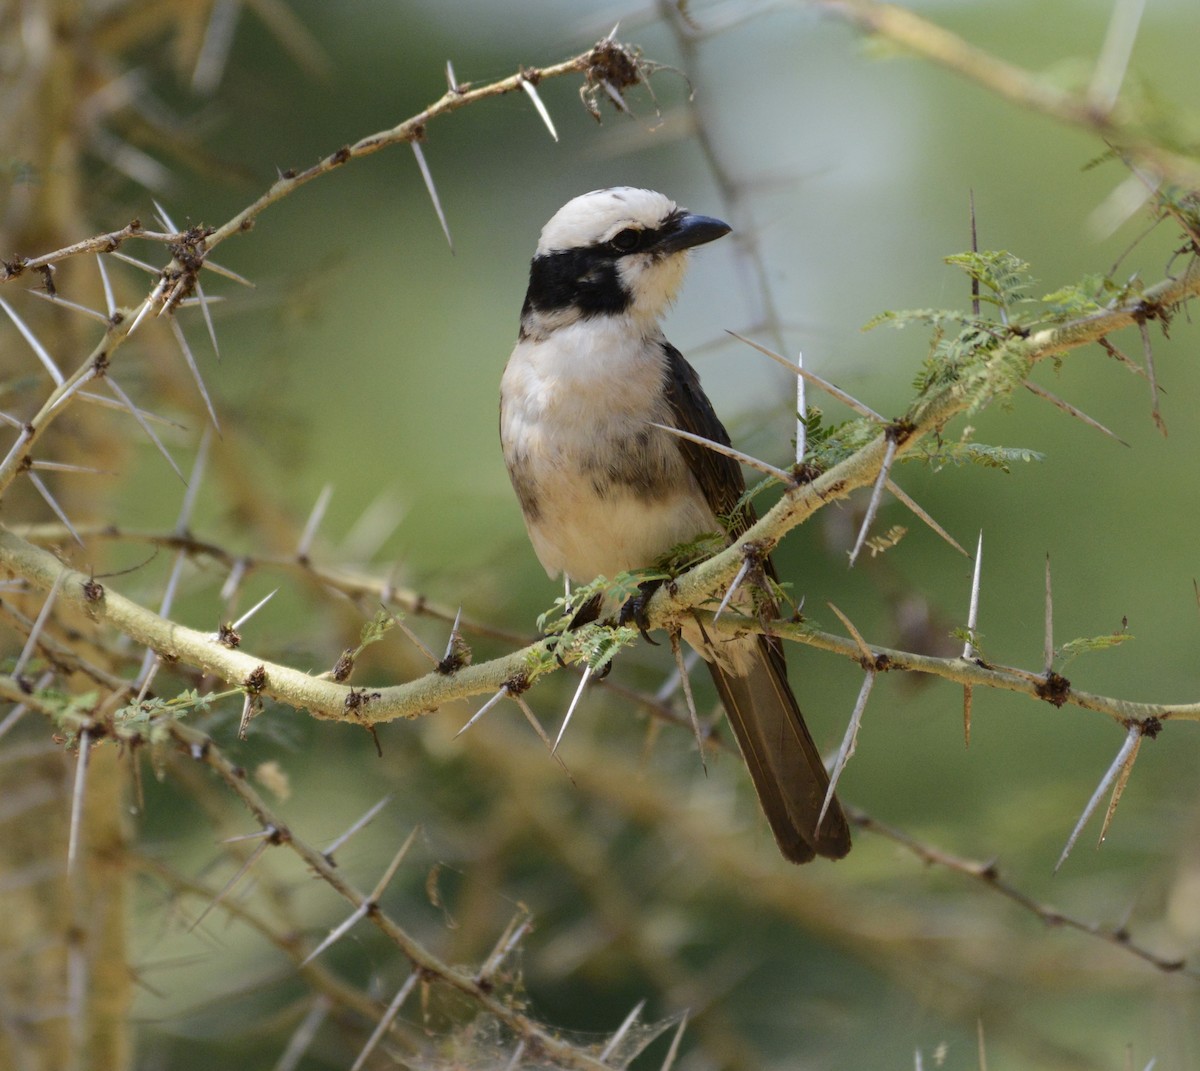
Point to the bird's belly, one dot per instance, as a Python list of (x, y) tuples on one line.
[(603, 490), (585, 534), (602, 496)]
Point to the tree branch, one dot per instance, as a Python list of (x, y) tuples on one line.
[(1114, 124)]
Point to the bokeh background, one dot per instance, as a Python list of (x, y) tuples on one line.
[(368, 359)]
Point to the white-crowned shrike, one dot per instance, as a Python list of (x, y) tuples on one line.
[(603, 491)]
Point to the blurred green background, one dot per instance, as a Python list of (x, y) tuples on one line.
[(368, 358)]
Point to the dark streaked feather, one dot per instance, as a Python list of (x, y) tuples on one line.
[(782, 758), (719, 476)]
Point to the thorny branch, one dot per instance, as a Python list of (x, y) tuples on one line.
[(799, 501), (1108, 119), (600, 57), (202, 749), (327, 699), (989, 874), (705, 581)]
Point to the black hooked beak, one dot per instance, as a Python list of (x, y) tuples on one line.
[(687, 230)]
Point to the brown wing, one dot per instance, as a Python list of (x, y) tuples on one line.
[(784, 763), (719, 476)]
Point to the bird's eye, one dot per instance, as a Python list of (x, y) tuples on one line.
[(625, 241)]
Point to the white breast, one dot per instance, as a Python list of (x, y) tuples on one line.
[(583, 395)]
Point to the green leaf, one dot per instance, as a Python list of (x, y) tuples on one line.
[(941, 454), (1003, 278), (1073, 649)]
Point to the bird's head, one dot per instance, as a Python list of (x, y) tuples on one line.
[(621, 251)]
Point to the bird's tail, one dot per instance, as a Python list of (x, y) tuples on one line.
[(784, 763)]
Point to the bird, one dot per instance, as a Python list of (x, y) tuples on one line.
[(604, 491)]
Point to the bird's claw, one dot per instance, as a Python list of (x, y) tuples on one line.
[(634, 610)]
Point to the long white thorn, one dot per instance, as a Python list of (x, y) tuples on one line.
[(673, 1051), (483, 710), (314, 521), (193, 484), (136, 414), (973, 609), (147, 305), (374, 527), (38, 624), (728, 451), (358, 825), (43, 354), (518, 1055), (110, 302), (214, 49), (584, 678), (427, 176), (385, 1023), (382, 884), (1068, 408), (1049, 652), (686, 684), (164, 610), (849, 743), (453, 637), (889, 455), (1114, 54), (103, 402), (232, 883), (253, 610), (227, 273), (532, 93), (302, 1037), (512, 936), (74, 306), (52, 502), (77, 794), (18, 712), (186, 350), (338, 932), (801, 412), (912, 506), (206, 312), (66, 466), (142, 264), (532, 718), (733, 587), (824, 384), (163, 218), (1131, 739), (621, 1031), (234, 580), (675, 678), (368, 902)]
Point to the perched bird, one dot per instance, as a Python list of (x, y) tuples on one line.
[(603, 491)]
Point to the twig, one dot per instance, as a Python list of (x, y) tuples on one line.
[(989, 874), (946, 49)]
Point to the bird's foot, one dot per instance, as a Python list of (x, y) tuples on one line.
[(634, 610)]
